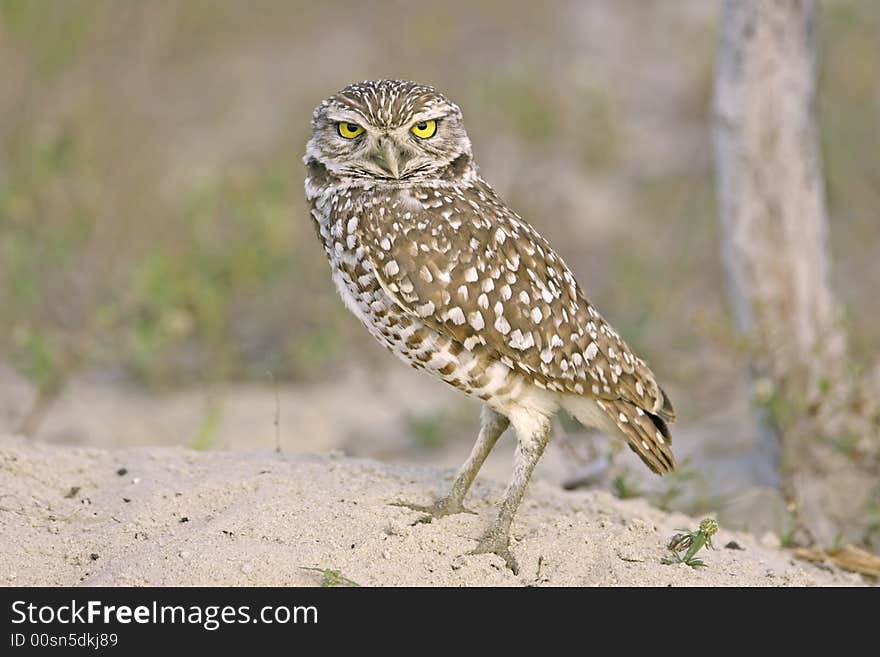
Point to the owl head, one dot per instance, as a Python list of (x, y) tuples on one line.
[(389, 130)]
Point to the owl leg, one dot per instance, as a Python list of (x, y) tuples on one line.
[(533, 434), (493, 424)]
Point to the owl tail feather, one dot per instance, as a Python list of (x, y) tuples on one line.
[(646, 433)]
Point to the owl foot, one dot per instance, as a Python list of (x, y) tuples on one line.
[(498, 544), (438, 509)]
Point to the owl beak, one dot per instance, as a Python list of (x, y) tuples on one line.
[(387, 157)]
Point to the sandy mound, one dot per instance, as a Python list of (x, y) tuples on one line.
[(170, 516)]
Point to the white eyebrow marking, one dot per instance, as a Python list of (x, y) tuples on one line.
[(350, 116)]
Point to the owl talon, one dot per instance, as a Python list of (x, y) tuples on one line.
[(439, 509), (497, 545)]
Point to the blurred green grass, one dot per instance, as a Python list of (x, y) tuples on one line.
[(151, 211)]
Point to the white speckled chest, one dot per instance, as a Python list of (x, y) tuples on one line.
[(445, 274), (340, 214)]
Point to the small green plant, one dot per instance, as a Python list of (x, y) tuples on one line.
[(690, 543), (847, 444), (623, 488), (676, 484), (205, 436), (428, 431), (788, 538), (331, 578)]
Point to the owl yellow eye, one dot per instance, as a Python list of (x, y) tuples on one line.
[(349, 130), (424, 129)]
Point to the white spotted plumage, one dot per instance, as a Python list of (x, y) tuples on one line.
[(451, 280)]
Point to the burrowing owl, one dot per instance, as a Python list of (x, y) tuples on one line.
[(455, 283)]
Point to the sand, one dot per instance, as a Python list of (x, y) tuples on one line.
[(173, 516)]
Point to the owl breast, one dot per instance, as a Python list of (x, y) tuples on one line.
[(411, 339)]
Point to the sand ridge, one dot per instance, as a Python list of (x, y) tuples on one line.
[(173, 516)]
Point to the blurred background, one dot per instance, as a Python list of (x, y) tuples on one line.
[(161, 282)]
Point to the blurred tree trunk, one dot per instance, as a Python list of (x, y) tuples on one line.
[(775, 246)]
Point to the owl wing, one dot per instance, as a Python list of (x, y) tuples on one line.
[(473, 270)]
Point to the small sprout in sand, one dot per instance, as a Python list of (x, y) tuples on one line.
[(690, 543), (623, 489), (332, 577)]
